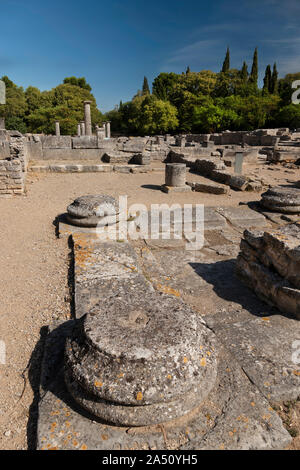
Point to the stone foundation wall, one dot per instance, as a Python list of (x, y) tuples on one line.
[(13, 164)]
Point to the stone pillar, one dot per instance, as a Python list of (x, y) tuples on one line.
[(175, 174), (82, 127), (175, 178), (2, 123), (238, 163), (108, 129), (87, 118), (57, 129), (78, 130)]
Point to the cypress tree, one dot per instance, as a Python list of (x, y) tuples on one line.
[(254, 71), (244, 72), (145, 89), (188, 70), (274, 81), (268, 79), (226, 63)]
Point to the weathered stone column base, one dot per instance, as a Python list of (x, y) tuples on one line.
[(235, 415)]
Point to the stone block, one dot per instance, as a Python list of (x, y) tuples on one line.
[(85, 142), (54, 142)]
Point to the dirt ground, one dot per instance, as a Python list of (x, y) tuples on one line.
[(34, 266)]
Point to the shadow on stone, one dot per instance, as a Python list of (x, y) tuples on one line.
[(221, 275)]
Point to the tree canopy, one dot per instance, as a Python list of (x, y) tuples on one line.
[(190, 101), (36, 111)]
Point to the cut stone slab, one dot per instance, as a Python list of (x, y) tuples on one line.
[(243, 217), (67, 168), (234, 416), (282, 199), (102, 269), (176, 189), (125, 168), (264, 349), (210, 188)]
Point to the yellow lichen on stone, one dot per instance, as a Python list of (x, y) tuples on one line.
[(98, 384), (203, 362), (185, 360), (167, 290), (139, 396)]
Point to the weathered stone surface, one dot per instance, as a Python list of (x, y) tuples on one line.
[(176, 189), (154, 362), (269, 264), (234, 416), (84, 142), (66, 168), (238, 182), (243, 217), (155, 351), (282, 199), (209, 187), (54, 142), (90, 211), (264, 349), (4, 150), (175, 175)]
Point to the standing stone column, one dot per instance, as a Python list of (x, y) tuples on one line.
[(108, 129), (175, 178), (87, 117), (57, 129), (78, 130), (82, 127)]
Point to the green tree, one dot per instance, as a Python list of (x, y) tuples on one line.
[(163, 85), (66, 106), (254, 71), (289, 116), (214, 118), (226, 63), (149, 115), (267, 80), (145, 89), (81, 82), (274, 81), (244, 73), (15, 108)]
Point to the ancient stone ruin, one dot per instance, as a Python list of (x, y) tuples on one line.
[(170, 346)]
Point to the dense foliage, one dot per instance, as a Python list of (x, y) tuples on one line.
[(35, 111), (197, 102)]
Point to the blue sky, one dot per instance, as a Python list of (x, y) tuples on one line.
[(114, 43)]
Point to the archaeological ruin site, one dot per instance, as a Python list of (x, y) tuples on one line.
[(183, 336)]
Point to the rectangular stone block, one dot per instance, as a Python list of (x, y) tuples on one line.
[(54, 142), (85, 142), (4, 150)]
